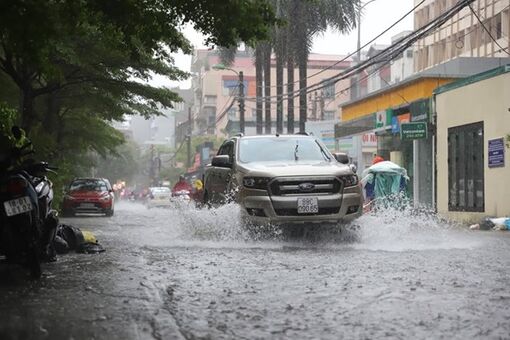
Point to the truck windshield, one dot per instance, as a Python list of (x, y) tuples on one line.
[(286, 149)]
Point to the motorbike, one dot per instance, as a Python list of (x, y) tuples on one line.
[(27, 221), (181, 196)]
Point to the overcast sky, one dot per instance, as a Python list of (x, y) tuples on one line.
[(377, 17)]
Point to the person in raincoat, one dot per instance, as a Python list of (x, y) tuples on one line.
[(370, 186), (388, 180)]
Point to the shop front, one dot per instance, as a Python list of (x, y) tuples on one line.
[(405, 137), (473, 139), (402, 125)]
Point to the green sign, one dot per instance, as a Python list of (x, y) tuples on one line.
[(416, 130)]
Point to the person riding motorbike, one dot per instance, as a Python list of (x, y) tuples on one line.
[(181, 185)]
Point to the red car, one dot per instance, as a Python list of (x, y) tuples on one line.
[(88, 195)]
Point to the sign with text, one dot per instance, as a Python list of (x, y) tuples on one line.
[(397, 121), (496, 153), (416, 130)]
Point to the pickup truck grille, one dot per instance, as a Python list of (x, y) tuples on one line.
[(305, 186)]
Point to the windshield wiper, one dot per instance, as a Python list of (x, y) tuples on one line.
[(323, 151), (296, 158)]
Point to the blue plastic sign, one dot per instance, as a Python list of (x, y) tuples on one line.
[(496, 153)]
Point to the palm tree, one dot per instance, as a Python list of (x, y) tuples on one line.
[(307, 19), (266, 47), (280, 42), (259, 54)]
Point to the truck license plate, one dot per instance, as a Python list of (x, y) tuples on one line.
[(307, 205), (18, 206)]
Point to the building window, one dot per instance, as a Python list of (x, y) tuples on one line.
[(230, 87), (329, 89), (329, 115), (232, 113), (210, 113), (210, 100), (466, 168), (496, 26)]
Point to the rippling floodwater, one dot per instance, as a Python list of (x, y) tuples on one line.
[(196, 274)]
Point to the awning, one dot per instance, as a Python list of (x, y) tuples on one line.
[(355, 126)]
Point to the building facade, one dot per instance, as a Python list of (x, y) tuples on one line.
[(473, 122), (216, 109), (464, 35), (393, 110)]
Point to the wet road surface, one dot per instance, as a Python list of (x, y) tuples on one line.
[(189, 274)]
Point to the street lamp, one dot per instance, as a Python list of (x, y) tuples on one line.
[(359, 139), (359, 26), (240, 98)]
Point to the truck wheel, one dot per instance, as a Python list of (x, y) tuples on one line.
[(207, 204)]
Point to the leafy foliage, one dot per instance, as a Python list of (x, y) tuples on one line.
[(76, 66)]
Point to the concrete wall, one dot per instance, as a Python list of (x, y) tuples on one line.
[(488, 101)]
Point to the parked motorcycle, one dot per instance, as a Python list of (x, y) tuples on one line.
[(27, 221)]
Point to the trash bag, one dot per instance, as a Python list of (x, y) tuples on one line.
[(486, 224), (80, 241), (61, 246)]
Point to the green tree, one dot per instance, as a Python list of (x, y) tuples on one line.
[(123, 164), (53, 45), (307, 19), (73, 67)]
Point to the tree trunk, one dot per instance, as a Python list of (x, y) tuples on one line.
[(267, 86), (290, 90), (27, 108), (258, 77), (279, 85), (302, 90)]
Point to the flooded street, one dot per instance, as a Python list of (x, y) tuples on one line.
[(195, 274)]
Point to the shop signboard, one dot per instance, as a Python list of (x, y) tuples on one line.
[(415, 130), (383, 119), (369, 140), (420, 110), (380, 120), (397, 121), (496, 153)]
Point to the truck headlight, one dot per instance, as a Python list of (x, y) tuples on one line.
[(349, 180), (256, 182)]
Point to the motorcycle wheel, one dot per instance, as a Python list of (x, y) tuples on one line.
[(67, 213), (34, 265)]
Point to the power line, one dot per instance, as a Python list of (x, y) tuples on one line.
[(389, 53), (361, 48)]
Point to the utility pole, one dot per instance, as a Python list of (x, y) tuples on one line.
[(321, 105), (241, 101), (189, 138), (314, 105)]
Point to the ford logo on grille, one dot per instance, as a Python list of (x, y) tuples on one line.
[(306, 186)]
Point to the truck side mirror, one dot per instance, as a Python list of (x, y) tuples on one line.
[(221, 161), (341, 157)]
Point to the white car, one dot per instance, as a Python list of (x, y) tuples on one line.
[(159, 197)]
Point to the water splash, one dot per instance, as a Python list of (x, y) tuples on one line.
[(389, 229), (405, 228)]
